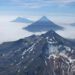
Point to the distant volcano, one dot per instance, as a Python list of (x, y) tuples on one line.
[(72, 24), (22, 20), (44, 24)]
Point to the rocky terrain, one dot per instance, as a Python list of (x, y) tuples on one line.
[(47, 54)]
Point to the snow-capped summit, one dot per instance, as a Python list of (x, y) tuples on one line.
[(43, 24), (44, 18)]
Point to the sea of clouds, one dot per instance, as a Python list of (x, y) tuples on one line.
[(11, 31)]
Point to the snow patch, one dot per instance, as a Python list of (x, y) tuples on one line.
[(46, 62)]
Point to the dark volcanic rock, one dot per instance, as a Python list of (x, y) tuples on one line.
[(47, 54)]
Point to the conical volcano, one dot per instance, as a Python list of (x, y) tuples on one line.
[(43, 24)]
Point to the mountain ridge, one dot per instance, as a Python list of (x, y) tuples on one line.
[(47, 54), (22, 20)]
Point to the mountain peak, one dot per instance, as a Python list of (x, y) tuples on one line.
[(44, 24), (44, 18), (53, 37), (50, 33)]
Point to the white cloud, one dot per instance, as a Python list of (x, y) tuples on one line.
[(31, 3), (40, 3), (61, 1)]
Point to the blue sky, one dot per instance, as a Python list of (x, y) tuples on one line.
[(38, 7)]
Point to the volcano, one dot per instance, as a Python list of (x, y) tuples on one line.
[(47, 54), (44, 24)]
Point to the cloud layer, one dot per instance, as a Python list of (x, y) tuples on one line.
[(41, 3), (36, 3)]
